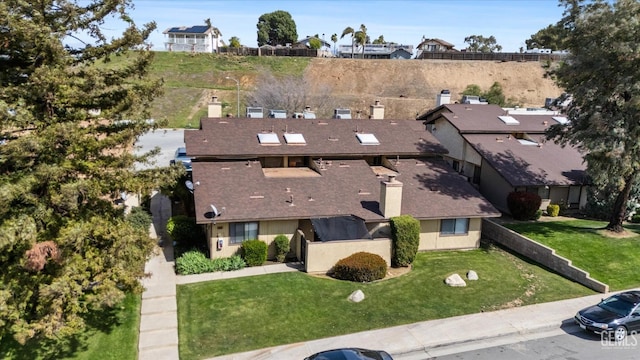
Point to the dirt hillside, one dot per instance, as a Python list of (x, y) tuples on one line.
[(409, 87)]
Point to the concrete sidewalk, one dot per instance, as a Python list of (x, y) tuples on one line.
[(158, 339), (422, 340)]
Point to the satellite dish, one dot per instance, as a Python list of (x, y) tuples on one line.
[(189, 185), (214, 211)]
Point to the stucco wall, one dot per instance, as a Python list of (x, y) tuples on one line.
[(322, 256), (449, 138), (430, 238), (539, 253), (267, 231), (494, 187)]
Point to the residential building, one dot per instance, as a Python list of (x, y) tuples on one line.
[(505, 150), (433, 45), (330, 185), (377, 51), (195, 39)]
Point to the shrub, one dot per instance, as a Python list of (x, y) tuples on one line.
[(538, 215), (405, 234), (282, 247), (234, 262), (635, 218), (360, 267), (523, 205), (193, 262), (185, 232), (254, 252), (553, 210), (139, 218)]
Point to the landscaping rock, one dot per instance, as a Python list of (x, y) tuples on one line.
[(455, 280), (356, 296), (472, 275)]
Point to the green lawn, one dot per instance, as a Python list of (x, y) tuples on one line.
[(236, 315), (113, 336), (611, 260)]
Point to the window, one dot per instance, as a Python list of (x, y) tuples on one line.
[(239, 232), (454, 226)]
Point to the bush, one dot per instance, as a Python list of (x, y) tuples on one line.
[(523, 205), (360, 267), (185, 232), (139, 218), (405, 234), (195, 262), (254, 252), (538, 215), (635, 218), (281, 243), (553, 210)]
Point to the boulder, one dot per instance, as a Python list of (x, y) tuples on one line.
[(356, 296), (472, 275), (455, 280)]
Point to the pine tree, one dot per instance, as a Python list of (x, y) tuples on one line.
[(602, 76), (69, 115)]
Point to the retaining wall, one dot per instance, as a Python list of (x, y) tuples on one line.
[(539, 253)]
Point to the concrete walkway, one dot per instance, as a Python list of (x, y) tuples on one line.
[(158, 315)]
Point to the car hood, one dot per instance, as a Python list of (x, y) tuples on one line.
[(599, 314)]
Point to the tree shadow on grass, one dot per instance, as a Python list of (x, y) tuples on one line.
[(96, 322)]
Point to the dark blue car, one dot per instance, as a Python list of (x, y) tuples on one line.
[(350, 354)]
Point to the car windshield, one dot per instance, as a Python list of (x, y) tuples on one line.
[(618, 305)]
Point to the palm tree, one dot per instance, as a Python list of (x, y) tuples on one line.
[(334, 39), (349, 30), (361, 37)]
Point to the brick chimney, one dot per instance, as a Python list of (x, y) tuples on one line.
[(377, 110), (390, 197), (215, 108)]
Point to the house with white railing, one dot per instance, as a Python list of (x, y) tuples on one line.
[(377, 51), (195, 39)]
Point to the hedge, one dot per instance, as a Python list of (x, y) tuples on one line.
[(405, 233)]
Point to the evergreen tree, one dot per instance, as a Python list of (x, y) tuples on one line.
[(68, 118), (602, 76), (276, 28)]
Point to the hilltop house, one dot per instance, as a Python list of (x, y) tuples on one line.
[(377, 51), (330, 185), (505, 150), (195, 39)]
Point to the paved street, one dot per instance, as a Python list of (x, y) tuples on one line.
[(168, 140), (569, 343)]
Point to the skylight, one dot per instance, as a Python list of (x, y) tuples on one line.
[(294, 139), (367, 139), (268, 139), (560, 119), (527, 142), (509, 120)]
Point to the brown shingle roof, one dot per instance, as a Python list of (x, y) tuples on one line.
[(530, 165), (238, 138), (431, 190), (474, 118)]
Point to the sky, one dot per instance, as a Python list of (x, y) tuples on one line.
[(400, 21)]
